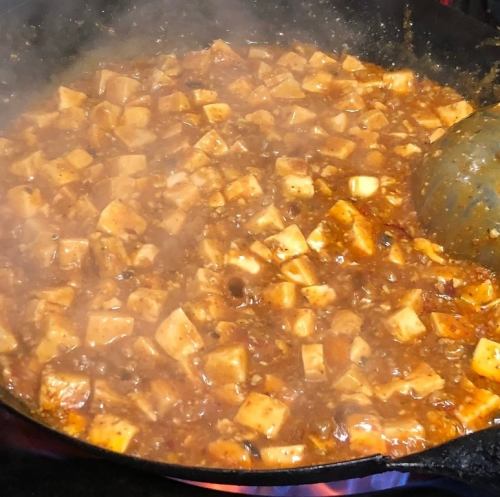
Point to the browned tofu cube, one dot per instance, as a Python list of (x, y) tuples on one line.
[(104, 328), (263, 414), (479, 294), (227, 365), (111, 432), (319, 296), (400, 82), (217, 113), (337, 147), (70, 98), (59, 172), (178, 336), (119, 219), (405, 325), (283, 456), (147, 303), (63, 391), (451, 326), (121, 89), (302, 322)]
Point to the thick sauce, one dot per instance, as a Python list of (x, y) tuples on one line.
[(213, 260)]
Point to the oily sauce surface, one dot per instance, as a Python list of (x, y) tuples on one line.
[(213, 259)]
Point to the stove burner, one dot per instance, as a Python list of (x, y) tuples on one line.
[(374, 483)]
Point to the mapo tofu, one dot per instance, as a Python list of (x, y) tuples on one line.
[(213, 259)]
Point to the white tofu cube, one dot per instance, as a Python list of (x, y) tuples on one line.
[(363, 186), (268, 219), (104, 328), (246, 187), (313, 362), (281, 295), (178, 336), (119, 219), (318, 82), (300, 271), (288, 243), (405, 325), (263, 414), (282, 456), (111, 432), (453, 113), (227, 365), (212, 144), (486, 359), (319, 296), (337, 147), (400, 82), (302, 322), (285, 166), (70, 98), (295, 186), (147, 303)]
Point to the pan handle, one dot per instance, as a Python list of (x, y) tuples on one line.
[(474, 459)]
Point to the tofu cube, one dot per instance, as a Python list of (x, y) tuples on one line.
[(288, 243), (365, 434), (352, 64), (59, 295), (320, 237), (363, 186), (477, 408), (173, 222), (217, 113), (263, 414), (268, 219), (302, 322), (202, 96), (25, 200), (212, 144), (109, 254), (400, 82), (230, 453), (121, 89), (147, 303), (261, 250), (145, 255), (8, 341), (300, 271), (293, 61), (337, 123), (318, 82), (111, 432), (227, 365), (104, 328), (407, 150), (119, 219), (319, 296), (478, 295), (102, 78), (79, 158), (63, 391), (281, 295), (59, 172), (282, 456), (374, 120), (207, 281), (455, 112), (297, 115), (245, 262), (245, 187), (195, 159), (362, 241), (320, 60), (72, 252), (211, 251), (486, 359), (337, 147), (313, 362), (288, 89), (346, 322), (451, 326), (405, 325), (427, 120), (286, 166), (178, 336), (184, 195), (360, 350), (136, 116), (105, 115), (59, 337), (70, 98), (134, 138), (295, 186), (354, 381), (127, 165), (28, 166), (261, 118)]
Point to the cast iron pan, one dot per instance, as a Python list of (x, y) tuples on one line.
[(39, 39)]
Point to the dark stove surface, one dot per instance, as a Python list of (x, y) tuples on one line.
[(32, 464)]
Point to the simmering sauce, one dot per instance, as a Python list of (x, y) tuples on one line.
[(213, 259)]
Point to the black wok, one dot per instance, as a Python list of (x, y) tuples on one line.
[(40, 40)]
